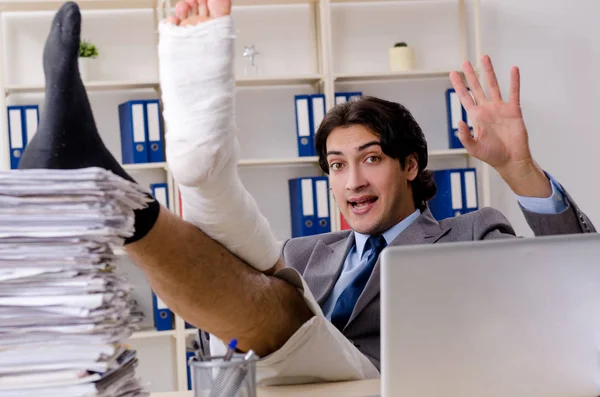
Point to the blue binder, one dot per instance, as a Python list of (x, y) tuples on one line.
[(302, 206), (31, 120), (23, 122), (317, 109), (160, 191), (134, 134), (457, 193), (303, 125), (456, 112), (321, 193), (343, 97), (155, 132), (188, 356), (163, 317)]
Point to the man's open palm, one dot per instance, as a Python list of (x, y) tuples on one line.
[(499, 133)]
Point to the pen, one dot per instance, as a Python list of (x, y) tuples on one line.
[(250, 355), (230, 350), (198, 351), (228, 380)]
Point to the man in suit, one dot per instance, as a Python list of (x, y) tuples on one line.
[(375, 155), (314, 314)]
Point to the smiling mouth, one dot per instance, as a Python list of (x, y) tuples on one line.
[(362, 203)]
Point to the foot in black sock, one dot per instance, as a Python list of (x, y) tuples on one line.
[(67, 137)]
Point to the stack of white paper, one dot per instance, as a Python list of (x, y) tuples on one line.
[(63, 310)]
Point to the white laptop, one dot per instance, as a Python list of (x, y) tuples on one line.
[(504, 318)]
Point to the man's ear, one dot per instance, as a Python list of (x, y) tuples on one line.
[(411, 166)]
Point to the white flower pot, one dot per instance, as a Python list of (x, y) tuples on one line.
[(84, 68), (402, 59)]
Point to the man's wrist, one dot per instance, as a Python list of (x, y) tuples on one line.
[(526, 179)]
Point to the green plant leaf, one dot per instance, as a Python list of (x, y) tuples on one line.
[(87, 49)]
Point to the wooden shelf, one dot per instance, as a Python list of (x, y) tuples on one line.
[(379, 1), (154, 85), (357, 388), (90, 86), (352, 77), (145, 166), (243, 3), (277, 80), (280, 161), (53, 5), (152, 334), (448, 152)]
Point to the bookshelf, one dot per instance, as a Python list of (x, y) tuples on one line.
[(90, 86), (321, 46)]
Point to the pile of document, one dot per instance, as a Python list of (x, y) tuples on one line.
[(64, 313)]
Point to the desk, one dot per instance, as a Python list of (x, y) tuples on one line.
[(360, 388)]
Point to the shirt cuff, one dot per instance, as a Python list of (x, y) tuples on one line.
[(555, 204)]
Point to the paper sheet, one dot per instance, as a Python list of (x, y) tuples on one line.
[(64, 313)]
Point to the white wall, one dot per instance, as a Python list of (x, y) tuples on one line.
[(556, 44)]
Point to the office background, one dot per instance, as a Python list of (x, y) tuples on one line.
[(554, 42)]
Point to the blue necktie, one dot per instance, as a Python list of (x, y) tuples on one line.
[(347, 300)]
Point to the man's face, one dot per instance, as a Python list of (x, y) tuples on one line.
[(370, 188)]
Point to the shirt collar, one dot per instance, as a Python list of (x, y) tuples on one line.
[(389, 235)]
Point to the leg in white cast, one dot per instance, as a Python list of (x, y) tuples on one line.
[(198, 85)]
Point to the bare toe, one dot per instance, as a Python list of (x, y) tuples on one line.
[(193, 4), (202, 8), (193, 21), (219, 8), (182, 10), (173, 20)]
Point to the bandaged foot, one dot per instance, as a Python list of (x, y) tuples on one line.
[(67, 137), (196, 53)]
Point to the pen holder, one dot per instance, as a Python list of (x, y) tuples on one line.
[(214, 377)]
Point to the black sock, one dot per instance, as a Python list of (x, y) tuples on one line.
[(67, 137)]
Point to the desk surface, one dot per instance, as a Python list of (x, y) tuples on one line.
[(361, 388)]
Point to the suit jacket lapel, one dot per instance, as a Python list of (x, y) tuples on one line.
[(324, 266), (424, 230)]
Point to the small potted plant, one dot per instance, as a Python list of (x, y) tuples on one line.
[(402, 58), (87, 51)]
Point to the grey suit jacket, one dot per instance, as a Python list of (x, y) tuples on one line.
[(320, 258)]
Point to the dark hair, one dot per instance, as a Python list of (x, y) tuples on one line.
[(397, 129)]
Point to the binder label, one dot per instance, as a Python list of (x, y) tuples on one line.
[(160, 305), (470, 190), (307, 197), (138, 125), (16, 129), (318, 111), (31, 121), (153, 119), (160, 193), (456, 191), (303, 126), (322, 207), (456, 110)]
